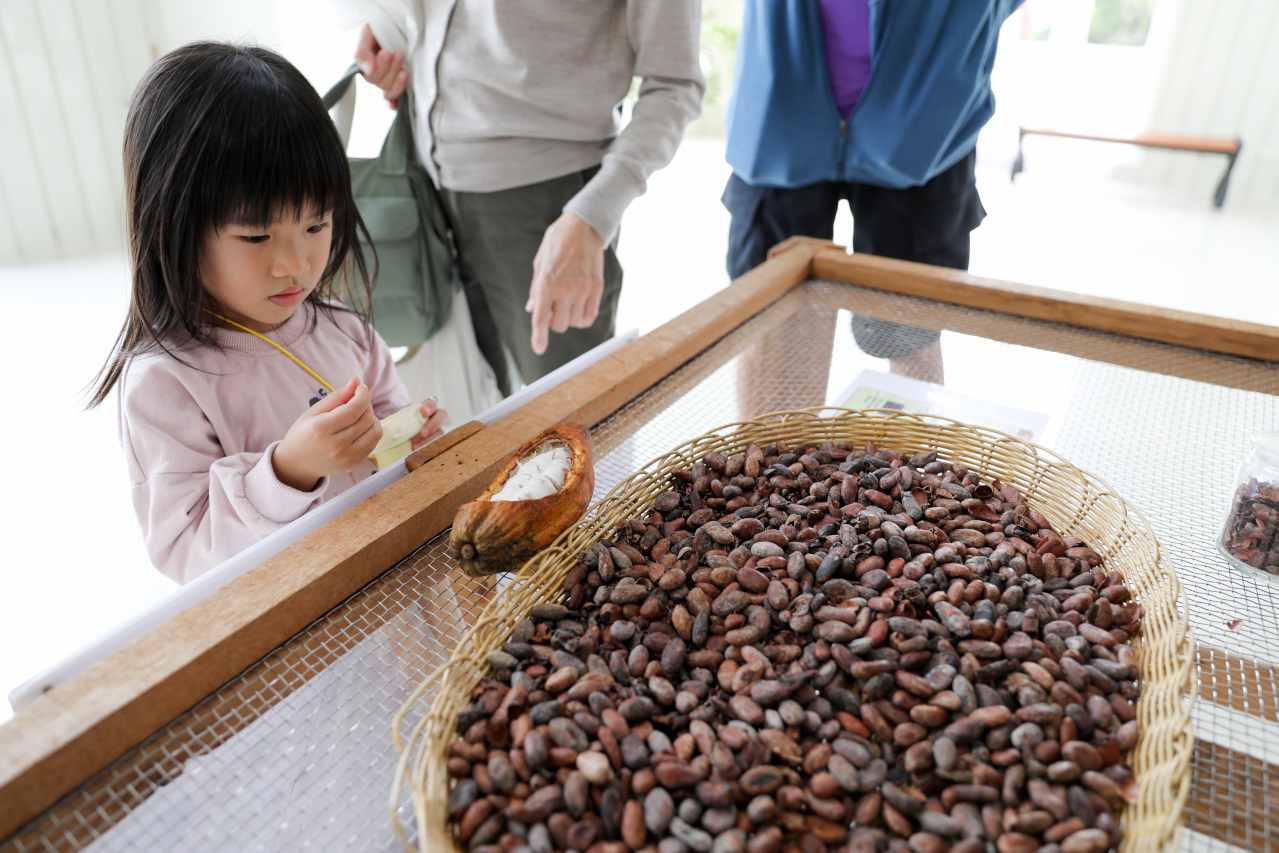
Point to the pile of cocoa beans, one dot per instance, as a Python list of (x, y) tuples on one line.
[(807, 649), (1251, 531)]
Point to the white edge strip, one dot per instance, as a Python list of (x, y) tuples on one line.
[(219, 576), (1236, 731)]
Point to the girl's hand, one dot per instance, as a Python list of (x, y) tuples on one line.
[(434, 426), (334, 435), (383, 68)]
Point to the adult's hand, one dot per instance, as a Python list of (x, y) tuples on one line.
[(568, 279), (383, 68)]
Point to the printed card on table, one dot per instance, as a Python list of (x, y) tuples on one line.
[(875, 390)]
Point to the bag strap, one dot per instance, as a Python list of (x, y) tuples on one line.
[(340, 102), (335, 94), (397, 149)]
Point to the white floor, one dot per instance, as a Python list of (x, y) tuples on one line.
[(74, 566)]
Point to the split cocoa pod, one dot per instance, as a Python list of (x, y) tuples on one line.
[(542, 491)]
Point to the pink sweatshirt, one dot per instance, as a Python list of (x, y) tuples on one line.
[(198, 439)]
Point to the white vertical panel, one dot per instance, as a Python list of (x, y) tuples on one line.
[(153, 20), (1258, 110), (131, 33), (1200, 98), (1264, 151), (10, 250), (44, 113), (97, 172), (67, 69), (1238, 57), (1221, 79), (108, 84), (26, 197), (1178, 74)]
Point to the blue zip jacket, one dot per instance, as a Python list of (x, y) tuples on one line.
[(927, 98)]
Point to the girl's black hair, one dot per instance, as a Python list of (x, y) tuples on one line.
[(220, 133)]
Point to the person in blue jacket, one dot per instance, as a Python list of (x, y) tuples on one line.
[(878, 102)]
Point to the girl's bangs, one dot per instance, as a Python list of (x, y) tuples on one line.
[(276, 160)]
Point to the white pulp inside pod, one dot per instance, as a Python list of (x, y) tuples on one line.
[(538, 474)]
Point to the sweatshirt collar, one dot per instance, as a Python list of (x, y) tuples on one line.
[(286, 334)]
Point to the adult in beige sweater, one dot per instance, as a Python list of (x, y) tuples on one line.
[(518, 118)]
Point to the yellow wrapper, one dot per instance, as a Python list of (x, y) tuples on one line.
[(397, 435)]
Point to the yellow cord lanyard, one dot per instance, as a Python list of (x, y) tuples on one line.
[(299, 362)]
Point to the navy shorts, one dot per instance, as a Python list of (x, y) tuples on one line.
[(929, 224)]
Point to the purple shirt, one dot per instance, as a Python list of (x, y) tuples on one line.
[(846, 32)]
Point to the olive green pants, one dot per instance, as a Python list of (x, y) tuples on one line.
[(497, 236)]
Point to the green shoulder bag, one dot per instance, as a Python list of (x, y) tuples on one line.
[(416, 261)]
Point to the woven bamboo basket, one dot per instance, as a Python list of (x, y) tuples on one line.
[(1074, 501)]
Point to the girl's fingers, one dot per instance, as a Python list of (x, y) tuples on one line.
[(353, 434), (436, 421), (335, 400), (431, 430), (357, 406), (367, 440)]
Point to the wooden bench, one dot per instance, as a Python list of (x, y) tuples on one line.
[(1206, 144)]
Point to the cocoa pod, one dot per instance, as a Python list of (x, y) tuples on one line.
[(492, 536)]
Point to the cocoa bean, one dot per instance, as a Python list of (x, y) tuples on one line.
[(637, 709), (659, 809), (1016, 842), (767, 840), (762, 779), (674, 774), (1063, 771), (542, 802), (632, 825), (931, 716), (1086, 841), (746, 710), (595, 766), (695, 838)]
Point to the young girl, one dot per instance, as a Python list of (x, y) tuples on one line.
[(241, 228)]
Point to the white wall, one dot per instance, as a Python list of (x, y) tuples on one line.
[(183, 21), (1220, 78), (67, 68), (305, 32), (1068, 84)]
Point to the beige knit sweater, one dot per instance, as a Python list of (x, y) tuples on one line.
[(513, 92)]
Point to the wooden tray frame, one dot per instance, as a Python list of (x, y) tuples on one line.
[(80, 727)]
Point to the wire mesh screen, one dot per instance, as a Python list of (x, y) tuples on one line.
[(295, 754)]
